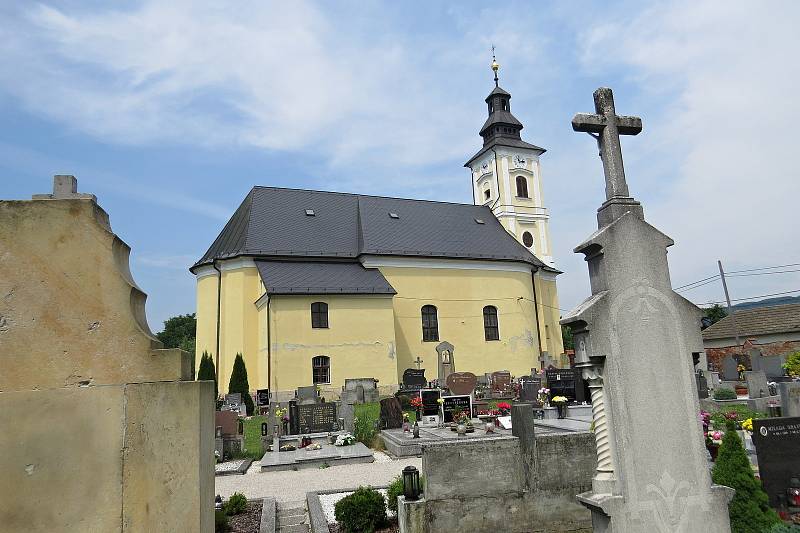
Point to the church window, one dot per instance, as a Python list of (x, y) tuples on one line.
[(319, 315), (522, 187), (321, 369), (487, 193), (527, 239), (430, 324), (490, 328)]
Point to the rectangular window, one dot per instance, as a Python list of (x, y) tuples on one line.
[(321, 369), (490, 326), (319, 315), (430, 324)]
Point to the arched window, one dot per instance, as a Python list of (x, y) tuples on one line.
[(321, 369), (490, 328), (430, 324), (319, 315), (527, 239), (522, 187)]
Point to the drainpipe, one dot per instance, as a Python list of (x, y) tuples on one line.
[(219, 308), (536, 311), (269, 348)]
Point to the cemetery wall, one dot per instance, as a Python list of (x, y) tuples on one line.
[(359, 341), (717, 350), (65, 251), (460, 295), (113, 457)]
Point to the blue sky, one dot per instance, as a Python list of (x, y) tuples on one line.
[(171, 111)]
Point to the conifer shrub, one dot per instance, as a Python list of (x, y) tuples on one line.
[(236, 504), (238, 383), (364, 511), (784, 528), (724, 393), (206, 372), (749, 509), (392, 492), (220, 521)]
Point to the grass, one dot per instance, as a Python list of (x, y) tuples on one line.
[(252, 437), (367, 416)]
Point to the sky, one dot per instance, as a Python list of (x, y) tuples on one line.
[(171, 111)]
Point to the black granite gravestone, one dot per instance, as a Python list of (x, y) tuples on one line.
[(452, 404), (414, 379), (262, 397), (430, 401), (566, 382), (317, 418), (777, 442)]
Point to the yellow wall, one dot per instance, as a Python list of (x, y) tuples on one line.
[(549, 315), (206, 336), (360, 340), (459, 296)]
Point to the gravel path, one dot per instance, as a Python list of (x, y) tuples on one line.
[(291, 486)]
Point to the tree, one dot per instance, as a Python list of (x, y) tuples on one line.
[(238, 383), (566, 334), (749, 509), (792, 365), (179, 332), (713, 314), (206, 372)]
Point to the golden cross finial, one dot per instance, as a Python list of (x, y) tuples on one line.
[(495, 68)]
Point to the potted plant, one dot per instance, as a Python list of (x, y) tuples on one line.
[(740, 369), (543, 396), (561, 404), (713, 440), (282, 419), (416, 403), (504, 408)]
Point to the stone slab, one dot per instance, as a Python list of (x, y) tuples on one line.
[(565, 424), (268, 512), (756, 384), (302, 458), (790, 398)]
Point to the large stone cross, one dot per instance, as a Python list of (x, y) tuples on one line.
[(606, 127)]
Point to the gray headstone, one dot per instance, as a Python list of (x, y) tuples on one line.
[(702, 386), (307, 395), (522, 427), (790, 398), (712, 379), (445, 354), (772, 366), (729, 368), (635, 326), (756, 384)]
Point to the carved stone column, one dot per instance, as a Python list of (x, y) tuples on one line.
[(603, 481)]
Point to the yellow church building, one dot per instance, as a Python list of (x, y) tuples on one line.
[(314, 287)]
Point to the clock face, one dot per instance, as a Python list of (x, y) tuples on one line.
[(485, 167), (519, 161)]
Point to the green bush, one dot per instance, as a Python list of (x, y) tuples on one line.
[(724, 393), (749, 509), (361, 512), (792, 365), (220, 521), (719, 418), (392, 492), (783, 528), (238, 383), (206, 372), (235, 504)]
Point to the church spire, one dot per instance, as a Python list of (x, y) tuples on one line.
[(501, 123), (495, 68)]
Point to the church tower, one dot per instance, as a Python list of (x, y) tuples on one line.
[(506, 175)]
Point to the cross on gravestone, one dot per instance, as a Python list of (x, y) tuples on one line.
[(65, 187), (606, 126), (418, 362)]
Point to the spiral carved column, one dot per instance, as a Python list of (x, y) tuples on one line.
[(603, 481)]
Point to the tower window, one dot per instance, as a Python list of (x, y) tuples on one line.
[(430, 324), (321, 369), (487, 193), (319, 315), (522, 187), (490, 328), (527, 239), (505, 104)]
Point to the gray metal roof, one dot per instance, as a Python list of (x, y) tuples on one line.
[(272, 222), (315, 277)]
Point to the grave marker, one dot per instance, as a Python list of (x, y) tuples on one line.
[(391, 416), (461, 383), (756, 384), (455, 403), (414, 379), (316, 418), (777, 442), (262, 397), (445, 356), (790, 398), (565, 382), (729, 368), (501, 383)]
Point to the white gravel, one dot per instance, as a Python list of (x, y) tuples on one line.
[(292, 486), (328, 502)]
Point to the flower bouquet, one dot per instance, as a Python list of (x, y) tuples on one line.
[(543, 396), (504, 408), (561, 404), (345, 439)]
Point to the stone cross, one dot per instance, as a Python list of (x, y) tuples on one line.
[(65, 187), (606, 127), (418, 362)]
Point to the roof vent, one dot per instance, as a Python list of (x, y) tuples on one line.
[(394, 215), (310, 213), (479, 221)]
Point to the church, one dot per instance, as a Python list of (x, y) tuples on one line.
[(314, 287)]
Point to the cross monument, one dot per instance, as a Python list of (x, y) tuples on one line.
[(418, 362)]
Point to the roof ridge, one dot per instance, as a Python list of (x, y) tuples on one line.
[(355, 195)]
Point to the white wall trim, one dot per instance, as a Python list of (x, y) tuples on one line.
[(372, 261), (546, 276), (239, 262), (205, 271)]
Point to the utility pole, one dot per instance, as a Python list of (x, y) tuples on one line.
[(728, 299)]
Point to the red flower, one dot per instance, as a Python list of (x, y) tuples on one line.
[(416, 402), (504, 406)]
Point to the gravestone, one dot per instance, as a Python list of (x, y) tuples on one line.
[(391, 416), (702, 385), (233, 399), (461, 383), (262, 397), (565, 382), (729, 368), (307, 395), (633, 339), (414, 379), (228, 421), (355, 392), (771, 365), (712, 379), (756, 384), (453, 404), (501, 383), (313, 418), (446, 358), (430, 403), (790, 398), (777, 442)]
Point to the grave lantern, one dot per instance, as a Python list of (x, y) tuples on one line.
[(411, 488), (792, 493)]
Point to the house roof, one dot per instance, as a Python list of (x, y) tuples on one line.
[(757, 321), (273, 222), (316, 277)]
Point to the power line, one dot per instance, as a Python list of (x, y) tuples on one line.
[(764, 273), (763, 268), (714, 277), (754, 297)]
